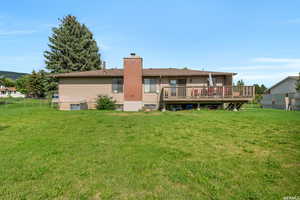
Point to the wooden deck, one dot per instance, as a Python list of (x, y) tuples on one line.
[(199, 94)]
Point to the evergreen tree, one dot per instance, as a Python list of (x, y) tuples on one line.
[(263, 89), (36, 86), (260, 89), (240, 83), (72, 48), (22, 84)]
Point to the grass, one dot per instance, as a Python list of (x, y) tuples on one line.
[(50, 154)]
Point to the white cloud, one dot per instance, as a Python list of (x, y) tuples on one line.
[(265, 70), (268, 63), (21, 63), (264, 67), (16, 32), (259, 76), (293, 21), (276, 60)]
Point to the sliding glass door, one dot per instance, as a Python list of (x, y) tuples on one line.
[(178, 87)]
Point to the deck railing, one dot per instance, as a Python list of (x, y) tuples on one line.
[(196, 92)]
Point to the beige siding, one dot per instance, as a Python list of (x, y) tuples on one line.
[(75, 90), (151, 98)]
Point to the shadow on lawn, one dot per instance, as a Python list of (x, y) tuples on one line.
[(3, 127)]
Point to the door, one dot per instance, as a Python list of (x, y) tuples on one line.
[(178, 87), (181, 83), (173, 84)]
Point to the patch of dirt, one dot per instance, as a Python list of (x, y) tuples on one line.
[(97, 196), (135, 114), (291, 165)]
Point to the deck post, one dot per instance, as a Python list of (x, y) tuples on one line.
[(198, 106), (224, 106), (234, 107), (163, 107)]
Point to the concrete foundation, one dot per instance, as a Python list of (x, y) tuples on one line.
[(133, 105)]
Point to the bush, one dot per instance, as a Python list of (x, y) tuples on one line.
[(105, 103)]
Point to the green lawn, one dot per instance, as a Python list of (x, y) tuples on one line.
[(50, 154)]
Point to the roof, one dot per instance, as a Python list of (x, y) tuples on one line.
[(289, 77), (8, 89), (146, 72)]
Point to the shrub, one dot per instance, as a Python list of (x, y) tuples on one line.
[(105, 103)]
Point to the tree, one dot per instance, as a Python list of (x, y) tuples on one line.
[(22, 84), (7, 82), (240, 83), (298, 84), (35, 85), (72, 48), (263, 89), (260, 89)]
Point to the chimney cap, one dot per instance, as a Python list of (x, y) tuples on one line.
[(133, 55)]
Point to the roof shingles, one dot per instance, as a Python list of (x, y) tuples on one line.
[(146, 72)]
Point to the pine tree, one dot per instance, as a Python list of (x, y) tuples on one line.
[(72, 48), (36, 85)]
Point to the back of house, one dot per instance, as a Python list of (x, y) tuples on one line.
[(134, 88)]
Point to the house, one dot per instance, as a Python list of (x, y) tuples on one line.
[(135, 88), (275, 95), (9, 92)]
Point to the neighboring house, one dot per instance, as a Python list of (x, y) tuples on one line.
[(9, 92), (135, 88), (275, 95)]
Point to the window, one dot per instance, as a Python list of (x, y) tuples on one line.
[(149, 85), (219, 82), (74, 106), (150, 106), (117, 85)]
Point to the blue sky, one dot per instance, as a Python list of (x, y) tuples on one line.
[(260, 40)]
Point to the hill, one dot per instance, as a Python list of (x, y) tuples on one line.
[(12, 75)]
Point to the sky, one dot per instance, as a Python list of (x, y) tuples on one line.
[(258, 39)]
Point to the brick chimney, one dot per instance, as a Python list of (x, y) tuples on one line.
[(133, 66)]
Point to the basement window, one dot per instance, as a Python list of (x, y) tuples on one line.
[(150, 106), (74, 106)]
